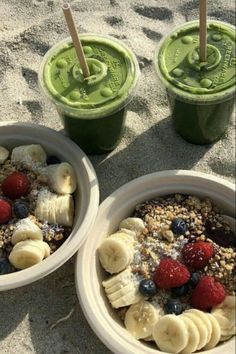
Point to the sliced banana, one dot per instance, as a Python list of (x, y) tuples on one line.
[(226, 326), (116, 253), (65, 210), (4, 153), (201, 326), (140, 319), (55, 209), (128, 232), (224, 313), (128, 299), (61, 178), (205, 319), (134, 224), (27, 253), (193, 336), (225, 338), (26, 229), (121, 279), (29, 155), (125, 237), (122, 289), (170, 334), (216, 333)]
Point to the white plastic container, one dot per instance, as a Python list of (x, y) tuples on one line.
[(86, 197), (120, 204)]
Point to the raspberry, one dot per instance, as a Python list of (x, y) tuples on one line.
[(5, 211), (207, 294), (197, 255), (15, 185), (171, 274)]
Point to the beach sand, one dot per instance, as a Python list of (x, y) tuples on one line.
[(28, 28)]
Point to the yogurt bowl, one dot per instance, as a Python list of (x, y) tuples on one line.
[(86, 196), (89, 275)]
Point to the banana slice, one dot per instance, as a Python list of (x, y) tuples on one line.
[(4, 153), (115, 253), (216, 332), (125, 237), (26, 229), (61, 178), (193, 336), (122, 289), (134, 224), (29, 155), (65, 210), (140, 319), (27, 253), (225, 338), (170, 334), (128, 232), (132, 297), (55, 209), (121, 279), (226, 326), (201, 326), (205, 319), (224, 313)]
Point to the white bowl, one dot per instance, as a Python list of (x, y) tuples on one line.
[(86, 196), (120, 204)]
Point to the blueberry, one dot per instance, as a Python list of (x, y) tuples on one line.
[(21, 209), (173, 306), (181, 290), (5, 266), (179, 226), (147, 287), (53, 160), (194, 279)]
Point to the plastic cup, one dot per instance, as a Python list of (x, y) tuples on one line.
[(93, 109), (201, 95)]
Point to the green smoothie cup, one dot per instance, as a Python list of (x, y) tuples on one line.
[(201, 95), (93, 109)]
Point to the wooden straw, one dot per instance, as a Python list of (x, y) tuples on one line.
[(203, 31), (75, 38)]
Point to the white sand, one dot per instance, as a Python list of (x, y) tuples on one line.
[(27, 29)]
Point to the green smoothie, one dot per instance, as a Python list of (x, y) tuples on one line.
[(92, 109), (201, 95)]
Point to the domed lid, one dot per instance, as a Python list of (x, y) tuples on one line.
[(113, 75), (180, 67)]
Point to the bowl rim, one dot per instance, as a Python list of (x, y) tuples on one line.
[(66, 251), (122, 343)]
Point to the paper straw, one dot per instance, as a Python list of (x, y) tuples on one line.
[(203, 31), (75, 38)]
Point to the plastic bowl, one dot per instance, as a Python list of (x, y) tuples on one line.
[(86, 196), (120, 204)]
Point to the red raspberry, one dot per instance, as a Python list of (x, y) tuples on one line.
[(197, 255), (5, 211), (15, 185), (207, 294), (171, 274)]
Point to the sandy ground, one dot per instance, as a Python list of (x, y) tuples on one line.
[(27, 30)]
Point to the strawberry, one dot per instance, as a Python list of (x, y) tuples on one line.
[(15, 185), (171, 274), (207, 294), (197, 255), (5, 211)]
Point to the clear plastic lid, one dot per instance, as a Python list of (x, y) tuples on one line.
[(114, 73), (177, 63)]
